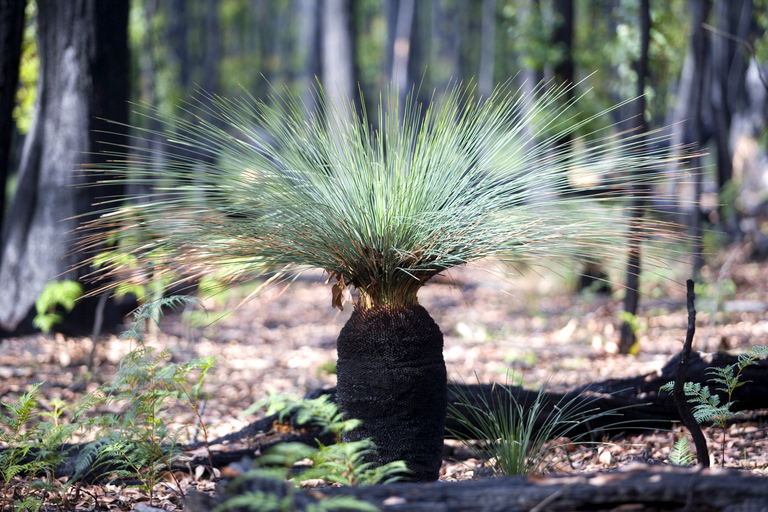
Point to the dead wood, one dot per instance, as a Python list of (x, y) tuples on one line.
[(636, 402), (636, 488)]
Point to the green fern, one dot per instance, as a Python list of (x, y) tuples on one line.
[(707, 405), (681, 453), (345, 463)]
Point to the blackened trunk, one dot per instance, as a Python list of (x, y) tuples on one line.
[(392, 377), (11, 35), (83, 49)]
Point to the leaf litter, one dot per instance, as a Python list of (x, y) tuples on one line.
[(530, 330)]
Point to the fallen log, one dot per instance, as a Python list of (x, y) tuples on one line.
[(636, 401), (633, 404), (635, 487)]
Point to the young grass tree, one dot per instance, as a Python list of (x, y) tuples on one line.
[(276, 189)]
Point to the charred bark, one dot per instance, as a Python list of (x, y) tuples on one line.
[(83, 48), (392, 377)]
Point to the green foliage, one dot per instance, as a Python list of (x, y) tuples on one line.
[(33, 447), (56, 293), (340, 463), (137, 443), (328, 367), (681, 453), (345, 463), (707, 406), (439, 186), (512, 435), (28, 71)]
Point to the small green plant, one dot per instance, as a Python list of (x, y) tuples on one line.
[(681, 453), (635, 324), (328, 368), (35, 447), (345, 463), (512, 435), (56, 293), (707, 406), (340, 463), (138, 443), (14, 459)]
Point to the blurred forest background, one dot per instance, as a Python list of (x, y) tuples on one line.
[(700, 64)]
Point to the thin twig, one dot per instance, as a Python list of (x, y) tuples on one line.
[(678, 392)]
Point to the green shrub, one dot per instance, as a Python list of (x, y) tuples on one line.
[(56, 293)]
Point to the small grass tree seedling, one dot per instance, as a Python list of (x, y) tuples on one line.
[(707, 406), (512, 435), (274, 188)]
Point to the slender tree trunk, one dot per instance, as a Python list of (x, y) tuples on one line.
[(700, 12), (83, 78), (488, 48), (563, 38), (637, 203), (400, 46), (338, 68), (11, 35), (392, 377), (722, 56), (308, 48), (445, 52)]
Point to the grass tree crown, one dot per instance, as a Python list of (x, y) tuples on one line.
[(248, 186)]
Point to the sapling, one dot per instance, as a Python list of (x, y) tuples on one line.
[(272, 188), (707, 406)]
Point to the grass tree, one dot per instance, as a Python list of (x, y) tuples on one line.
[(275, 189)]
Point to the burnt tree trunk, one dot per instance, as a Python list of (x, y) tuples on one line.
[(640, 195), (392, 377), (11, 35), (83, 48)]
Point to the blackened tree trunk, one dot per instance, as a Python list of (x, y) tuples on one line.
[(83, 78), (392, 377), (723, 56), (563, 38), (699, 14), (11, 35), (638, 202)]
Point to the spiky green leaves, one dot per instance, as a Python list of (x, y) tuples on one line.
[(247, 186)]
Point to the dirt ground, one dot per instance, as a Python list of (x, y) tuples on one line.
[(532, 328)]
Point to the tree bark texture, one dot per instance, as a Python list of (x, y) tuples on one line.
[(11, 35), (637, 488), (391, 376), (83, 77)]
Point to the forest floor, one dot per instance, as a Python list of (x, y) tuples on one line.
[(532, 329)]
